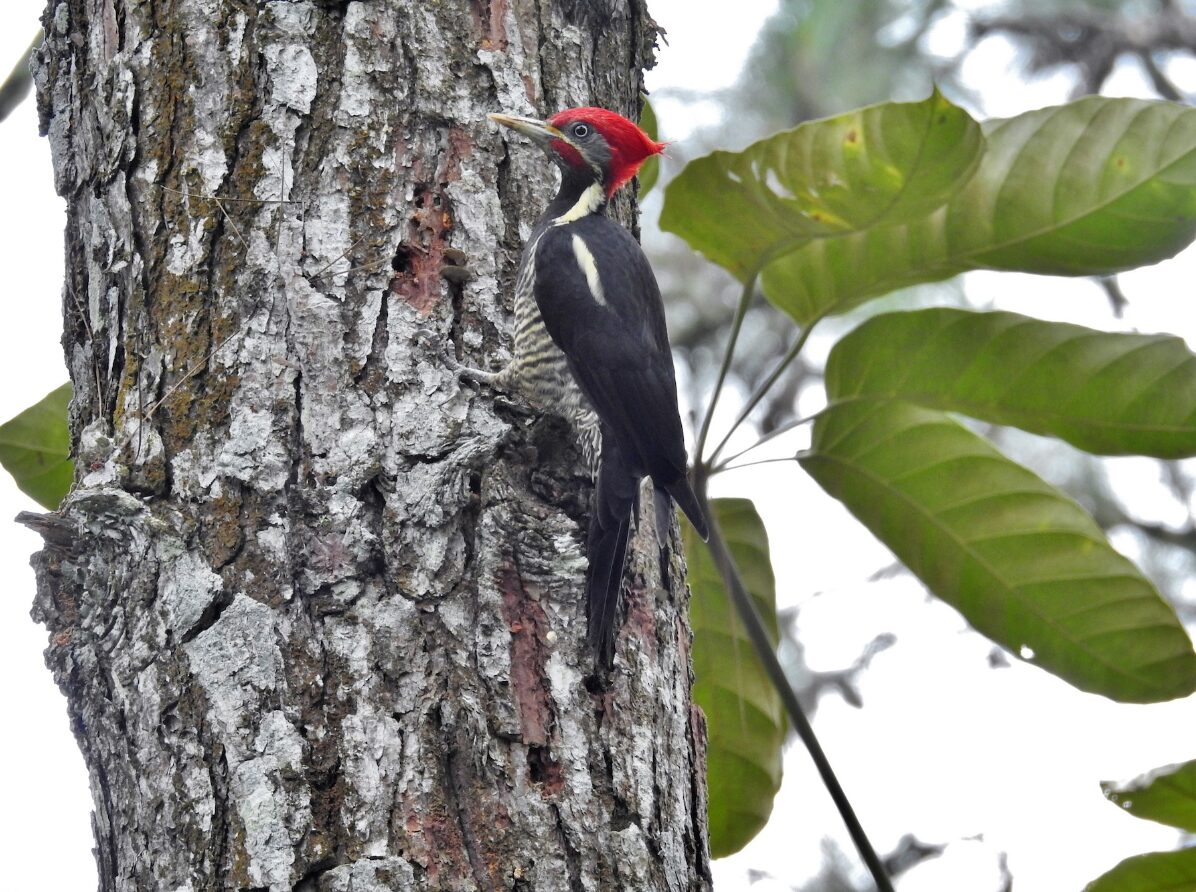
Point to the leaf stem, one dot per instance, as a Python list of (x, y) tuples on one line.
[(764, 649), (724, 465), (762, 390), (745, 300)]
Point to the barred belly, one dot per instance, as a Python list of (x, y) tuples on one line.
[(539, 373)]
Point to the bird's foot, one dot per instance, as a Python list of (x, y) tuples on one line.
[(478, 376), (435, 343), (425, 336), (506, 394)]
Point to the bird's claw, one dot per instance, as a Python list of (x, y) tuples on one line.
[(478, 376), (426, 337)]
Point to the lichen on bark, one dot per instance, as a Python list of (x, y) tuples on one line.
[(316, 606)]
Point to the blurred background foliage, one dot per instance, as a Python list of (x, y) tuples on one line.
[(815, 58)]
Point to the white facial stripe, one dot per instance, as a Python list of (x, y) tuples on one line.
[(589, 201), (586, 261)]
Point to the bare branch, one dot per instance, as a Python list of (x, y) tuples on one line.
[(19, 81), (1093, 42)]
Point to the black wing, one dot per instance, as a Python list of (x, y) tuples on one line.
[(617, 345)]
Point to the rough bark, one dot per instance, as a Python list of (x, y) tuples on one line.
[(316, 606)]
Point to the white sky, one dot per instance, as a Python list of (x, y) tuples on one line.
[(945, 748), (45, 819)]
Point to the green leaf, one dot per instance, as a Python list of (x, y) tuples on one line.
[(744, 717), (1166, 795), (822, 180), (1153, 872), (1112, 394), (35, 448), (650, 171), (1090, 188), (1023, 563)]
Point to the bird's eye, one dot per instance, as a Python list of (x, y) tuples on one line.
[(581, 131)]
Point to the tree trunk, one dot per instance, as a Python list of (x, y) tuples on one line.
[(316, 606)]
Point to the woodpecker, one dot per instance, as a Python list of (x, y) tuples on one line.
[(591, 343)]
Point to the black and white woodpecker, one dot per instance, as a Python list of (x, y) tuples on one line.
[(591, 344)]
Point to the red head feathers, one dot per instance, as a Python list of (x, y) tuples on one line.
[(628, 146)]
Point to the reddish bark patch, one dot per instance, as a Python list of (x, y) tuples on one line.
[(529, 87), (502, 817), (433, 838), (111, 31), (460, 147), (417, 262), (529, 651), (489, 18), (641, 617), (68, 609), (419, 259)]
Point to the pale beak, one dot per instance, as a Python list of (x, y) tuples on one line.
[(540, 132)]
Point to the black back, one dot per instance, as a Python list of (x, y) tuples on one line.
[(618, 352)]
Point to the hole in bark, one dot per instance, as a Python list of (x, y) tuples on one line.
[(537, 757), (402, 260), (308, 882), (544, 770), (622, 817)]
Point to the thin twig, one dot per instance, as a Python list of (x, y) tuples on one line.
[(197, 196), (369, 265), (765, 386), (1117, 299), (768, 437), (282, 191), (764, 649), (736, 324), (1163, 85), (236, 229), (752, 464), (194, 370), (345, 253)]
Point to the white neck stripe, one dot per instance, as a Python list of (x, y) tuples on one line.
[(587, 203)]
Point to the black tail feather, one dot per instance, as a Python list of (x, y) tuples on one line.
[(617, 493), (683, 495), (663, 503), (604, 583)]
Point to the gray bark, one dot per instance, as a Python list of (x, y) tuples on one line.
[(315, 605)]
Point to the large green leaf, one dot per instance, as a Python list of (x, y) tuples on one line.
[(1024, 564), (650, 171), (1167, 795), (1154, 872), (744, 717), (1107, 393), (878, 165), (1093, 187), (35, 449)]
